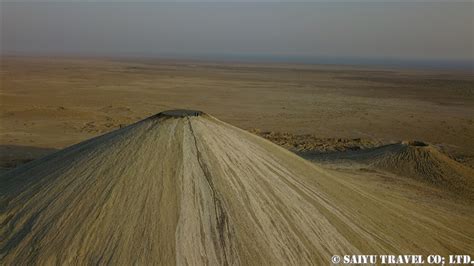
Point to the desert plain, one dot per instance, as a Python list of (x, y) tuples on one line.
[(51, 103), (387, 167)]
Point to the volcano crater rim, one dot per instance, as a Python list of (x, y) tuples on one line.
[(180, 113), (415, 143)]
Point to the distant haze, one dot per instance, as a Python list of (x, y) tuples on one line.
[(430, 34)]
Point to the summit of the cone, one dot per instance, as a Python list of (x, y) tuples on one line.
[(181, 113), (414, 143)]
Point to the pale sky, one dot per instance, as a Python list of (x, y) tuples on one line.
[(369, 29)]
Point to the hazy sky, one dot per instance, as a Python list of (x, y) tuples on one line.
[(399, 30)]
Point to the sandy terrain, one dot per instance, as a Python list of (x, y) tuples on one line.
[(195, 190), (54, 103)]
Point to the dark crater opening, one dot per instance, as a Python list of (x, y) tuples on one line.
[(180, 113), (415, 143)]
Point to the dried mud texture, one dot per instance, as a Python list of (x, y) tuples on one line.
[(195, 190), (312, 143)]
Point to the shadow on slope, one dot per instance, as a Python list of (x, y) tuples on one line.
[(12, 156)]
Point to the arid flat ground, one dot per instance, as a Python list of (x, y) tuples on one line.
[(50, 103)]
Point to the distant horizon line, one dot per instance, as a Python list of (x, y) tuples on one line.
[(391, 62)]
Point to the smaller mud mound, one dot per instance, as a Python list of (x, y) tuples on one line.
[(424, 162)]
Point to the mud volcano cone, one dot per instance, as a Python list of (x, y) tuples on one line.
[(178, 187), (424, 162), (182, 187)]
